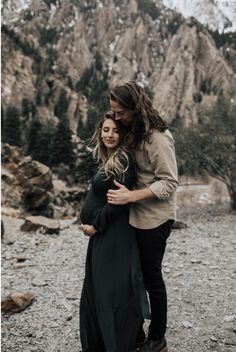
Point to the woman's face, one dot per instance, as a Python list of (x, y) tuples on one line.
[(110, 134)]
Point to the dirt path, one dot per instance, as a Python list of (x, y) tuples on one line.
[(199, 268)]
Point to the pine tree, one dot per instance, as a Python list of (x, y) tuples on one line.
[(33, 147), (12, 127), (44, 144), (2, 124), (28, 108), (87, 167), (86, 133), (62, 105), (62, 147)]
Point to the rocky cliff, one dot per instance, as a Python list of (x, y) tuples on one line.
[(49, 46), (30, 188), (217, 14)]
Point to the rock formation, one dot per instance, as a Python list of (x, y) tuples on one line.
[(48, 45), (30, 188)]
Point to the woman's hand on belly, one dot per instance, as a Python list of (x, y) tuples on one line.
[(88, 230)]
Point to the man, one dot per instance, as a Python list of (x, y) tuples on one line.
[(153, 201)]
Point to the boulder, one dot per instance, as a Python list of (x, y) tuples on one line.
[(17, 301), (11, 212), (35, 198), (46, 225), (178, 225), (38, 174), (6, 175)]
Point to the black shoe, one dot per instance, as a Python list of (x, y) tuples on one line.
[(155, 346)]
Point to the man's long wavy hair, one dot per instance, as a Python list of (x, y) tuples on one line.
[(117, 163), (132, 97)]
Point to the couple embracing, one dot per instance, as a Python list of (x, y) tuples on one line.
[(128, 214)]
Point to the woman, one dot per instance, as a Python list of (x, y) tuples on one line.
[(110, 308)]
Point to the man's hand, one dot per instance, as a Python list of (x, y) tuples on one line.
[(123, 195), (88, 230), (119, 196)]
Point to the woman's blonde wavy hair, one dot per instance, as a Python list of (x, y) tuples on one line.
[(117, 163)]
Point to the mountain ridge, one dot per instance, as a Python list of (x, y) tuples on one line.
[(52, 45)]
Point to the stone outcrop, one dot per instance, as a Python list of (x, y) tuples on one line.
[(30, 188), (189, 72), (26, 183), (41, 223)]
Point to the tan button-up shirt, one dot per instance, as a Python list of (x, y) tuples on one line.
[(157, 170)]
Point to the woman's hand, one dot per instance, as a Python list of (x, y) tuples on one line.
[(88, 230)]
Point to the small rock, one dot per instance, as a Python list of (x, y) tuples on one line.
[(39, 283), (10, 212), (31, 334), (165, 264), (206, 262), (22, 265), (54, 325), (7, 255), (196, 261), (178, 225), (71, 298), (229, 318), (213, 338), (177, 274), (39, 334), (211, 278), (21, 258), (187, 324), (9, 243)]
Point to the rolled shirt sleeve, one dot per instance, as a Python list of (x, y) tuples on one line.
[(161, 154)]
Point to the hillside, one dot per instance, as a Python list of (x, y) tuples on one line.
[(68, 53)]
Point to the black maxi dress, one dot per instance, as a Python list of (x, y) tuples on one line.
[(110, 308)]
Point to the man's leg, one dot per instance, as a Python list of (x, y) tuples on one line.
[(152, 245)]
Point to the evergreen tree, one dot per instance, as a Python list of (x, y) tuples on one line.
[(86, 133), (83, 86), (12, 127), (98, 61), (2, 124), (62, 105), (33, 147), (87, 167), (62, 147), (149, 7), (26, 108), (44, 144)]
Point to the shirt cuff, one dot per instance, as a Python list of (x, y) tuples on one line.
[(159, 191)]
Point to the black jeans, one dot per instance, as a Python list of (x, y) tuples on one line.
[(152, 244)]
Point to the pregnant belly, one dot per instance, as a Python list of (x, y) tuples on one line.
[(91, 204)]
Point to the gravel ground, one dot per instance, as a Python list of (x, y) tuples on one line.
[(199, 268)]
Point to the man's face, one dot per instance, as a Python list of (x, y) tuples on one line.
[(125, 116)]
